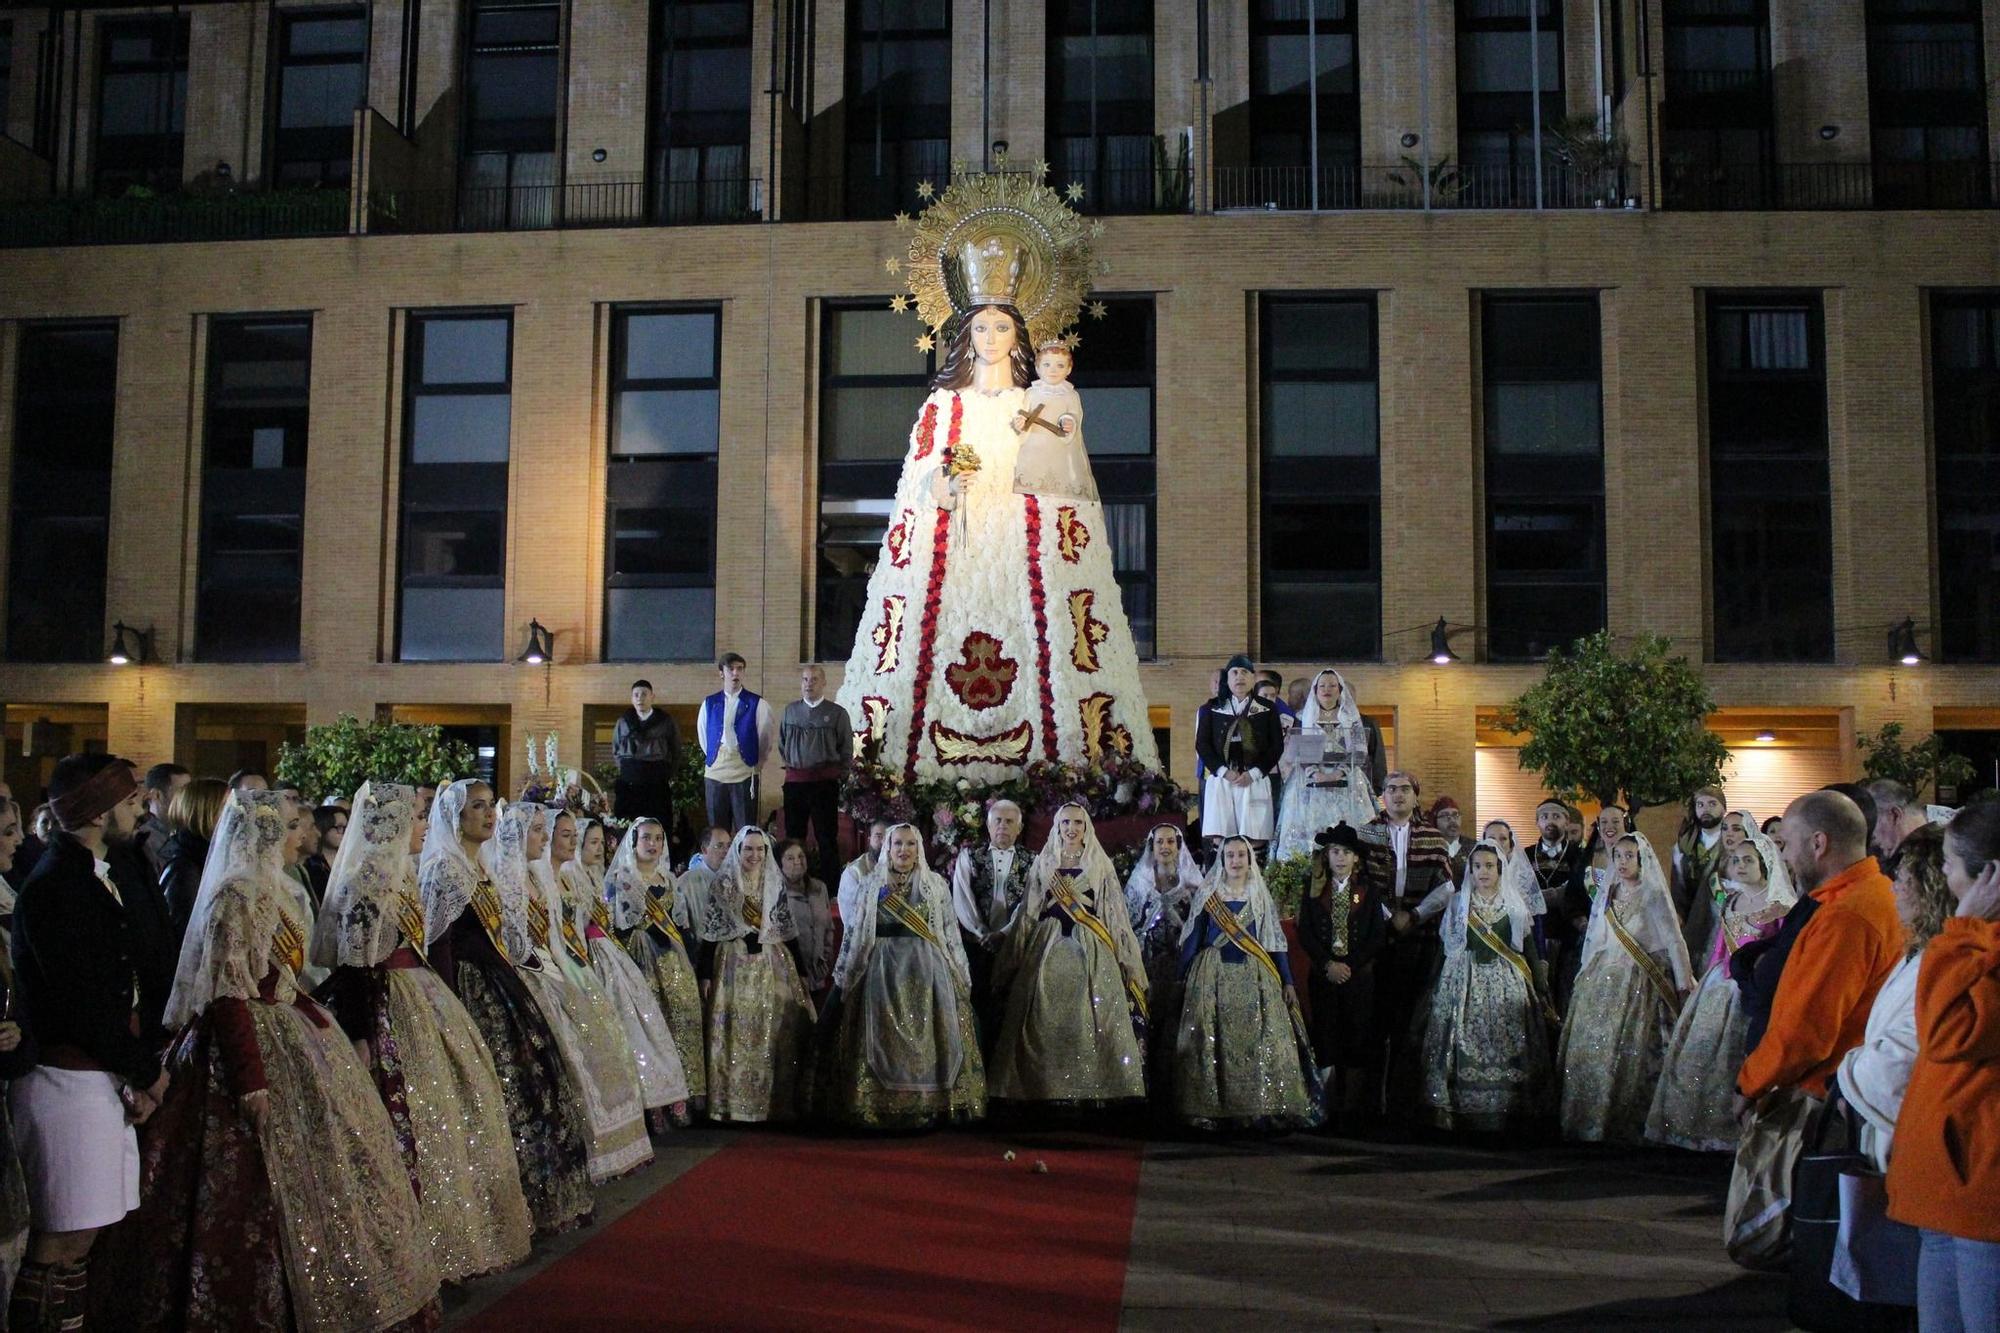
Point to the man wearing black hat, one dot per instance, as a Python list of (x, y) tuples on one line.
[(1341, 929), (92, 966)]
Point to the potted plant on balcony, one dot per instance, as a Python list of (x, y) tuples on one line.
[(1596, 159)]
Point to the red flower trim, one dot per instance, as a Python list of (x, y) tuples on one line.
[(1038, 598), (927, 428), (927, 626)]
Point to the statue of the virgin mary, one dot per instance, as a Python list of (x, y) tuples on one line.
[(993, 634)]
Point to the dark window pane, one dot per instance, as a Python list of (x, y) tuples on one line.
[(670, 346), (660, 624), (663, 541), (65, 402), (668, 421), (452, 625), (141, 103), (1965, 398), (454, 544)]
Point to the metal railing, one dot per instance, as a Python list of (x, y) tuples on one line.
[(1128, 190), (152, 219), (1687, 82), (582, 204), (1824, 186), (1402, 186), (1925, 66)]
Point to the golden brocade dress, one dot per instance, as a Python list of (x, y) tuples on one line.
[(905, 1046), (760, 1024), (1068, 1033), (1612, 1047), (1236, 1053), (658, 944), (586, 1027), (662, 1080), (1693, 1104), (427, 1054), (1486, 1048)]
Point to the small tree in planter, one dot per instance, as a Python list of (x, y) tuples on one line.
[(1922, 767), (338, 757), (1594, 157), (1628, 729)]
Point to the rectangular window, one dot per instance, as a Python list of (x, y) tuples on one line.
[(660, 492), (1304, 109), (509, 175), (457, 412), (1716, 112), (1965, 406), (321, 80), (65, 407), (1320, 479), (141, 103), (253, 490), (1771, 546), (1927, 103), (6, 69), (1543, 395), (872, 387), (1115, 375), (898, 105), (1100, 104), (701, 111), (1504, 57)]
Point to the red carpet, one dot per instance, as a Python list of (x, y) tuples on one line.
[(781, 1233)]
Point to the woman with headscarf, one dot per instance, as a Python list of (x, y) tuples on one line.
[(1067, 959), (276, 1196), (607, 1075), (465, 931), (760, 1019), (1630, 988), (904, 1045), (1339, 785), (653, 917), (1240, 743), (1486, 1047), (1240, 1061), (663, 1082), (1159, 894), (433, 1073), (1693, 1105)]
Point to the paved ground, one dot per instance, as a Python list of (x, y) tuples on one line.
[(1328, 1233)]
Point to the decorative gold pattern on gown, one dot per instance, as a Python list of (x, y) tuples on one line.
[(355, 1252), (1067, 1035), (1236, 1059), (671, 975), (759, 1033), (474, 1215), (1693, 1106), (593, 1046), (1486, 1048), (1612, 1048)]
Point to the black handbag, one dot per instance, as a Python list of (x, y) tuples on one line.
[(1812, 1301)]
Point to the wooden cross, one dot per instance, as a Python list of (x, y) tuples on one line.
[(1034, 419)]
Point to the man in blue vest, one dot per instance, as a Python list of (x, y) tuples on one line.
[(735, 730)]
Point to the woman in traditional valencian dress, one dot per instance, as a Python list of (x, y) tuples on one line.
[(464, 928), (600, 1063), (654, 917), (1075, 985), (1629, 991), (1340, 786), (1693, 1105), (1159, 895), (1240, 742), (993, 634), (663, 1079), (433, 1072), (904, 1045), (760, 1020), (1486, 1048), (1239, 1061), (276, 1196)]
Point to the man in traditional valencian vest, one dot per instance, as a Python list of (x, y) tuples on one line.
[(735, 731), (1697, 856), (987, 886)]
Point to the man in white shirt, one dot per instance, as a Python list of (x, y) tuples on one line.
[(860, 868), (987, 885), (736, 736)]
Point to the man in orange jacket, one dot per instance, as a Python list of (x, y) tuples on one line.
[(1841, 958)]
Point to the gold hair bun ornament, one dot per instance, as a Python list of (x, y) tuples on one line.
[(999, 238)]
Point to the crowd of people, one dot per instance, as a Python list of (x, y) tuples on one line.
[(276, 1064)]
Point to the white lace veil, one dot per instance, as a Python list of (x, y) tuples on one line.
[(930, 895), (1778, 886), (505, 856), (1458, 912), (1143, 900), (722, 914), (445, 873), (243, 899), (626, 883), (1259, 915), (1650, 918), (1346, 713), (358, 922)]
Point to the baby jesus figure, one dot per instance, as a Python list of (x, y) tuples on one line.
[(1051, 460)]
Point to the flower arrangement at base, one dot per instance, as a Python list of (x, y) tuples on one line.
[(1288, 880), (953, 811)]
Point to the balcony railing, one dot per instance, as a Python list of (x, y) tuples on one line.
[(1825, 186), (1401, 186), (1687, 82), (151, 219), (1128, 190), (582, 204), (1925, 67)]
